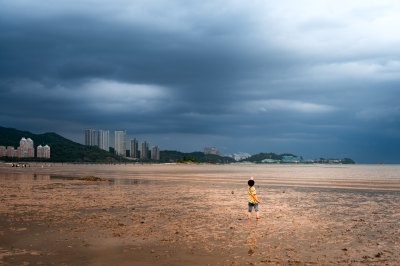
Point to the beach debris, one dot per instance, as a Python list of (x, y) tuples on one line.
[(378, 255), (233, 192), (94, 178), (250, 252)]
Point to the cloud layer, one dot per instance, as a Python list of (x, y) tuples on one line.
[(317, 78)]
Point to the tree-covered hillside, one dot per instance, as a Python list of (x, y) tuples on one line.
[(173, 156), (261, 156)]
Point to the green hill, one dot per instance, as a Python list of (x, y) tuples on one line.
[(62, 149), (173, 156), (261, 156)]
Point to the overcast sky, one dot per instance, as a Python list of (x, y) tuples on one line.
[(314, 78)]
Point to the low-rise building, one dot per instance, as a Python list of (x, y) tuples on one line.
[(270, 161), (3, 151), (10, 151), (211, 150), (290, 159)]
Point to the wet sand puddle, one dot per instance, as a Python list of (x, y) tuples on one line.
[(55, 219)]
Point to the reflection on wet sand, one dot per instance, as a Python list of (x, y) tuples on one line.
[(252, 238), (23, 177), (197, 215)]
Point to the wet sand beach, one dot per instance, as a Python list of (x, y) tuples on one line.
[(197, 215)]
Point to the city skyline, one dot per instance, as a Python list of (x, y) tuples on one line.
[(304, 77), (122, 144)]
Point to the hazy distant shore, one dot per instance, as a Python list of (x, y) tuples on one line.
[(196, 215)]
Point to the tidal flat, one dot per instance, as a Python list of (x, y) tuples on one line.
[(178, 214)]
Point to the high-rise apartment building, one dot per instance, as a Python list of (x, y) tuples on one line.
[(99, 138), (134, 148), (26, 149), (46, 149), (23, 148), (120, 142), (90, 137), (30, 148), (144, 152), (39, 151), (103, 138), (155, 153)]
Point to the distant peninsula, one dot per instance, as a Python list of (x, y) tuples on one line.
[(291, 158)]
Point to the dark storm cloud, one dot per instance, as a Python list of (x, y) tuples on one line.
[(283, 77)]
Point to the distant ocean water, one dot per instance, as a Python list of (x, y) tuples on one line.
[(386, 177), (350, 176)]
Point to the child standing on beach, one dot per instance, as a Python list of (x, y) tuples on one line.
[(253, 201)]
